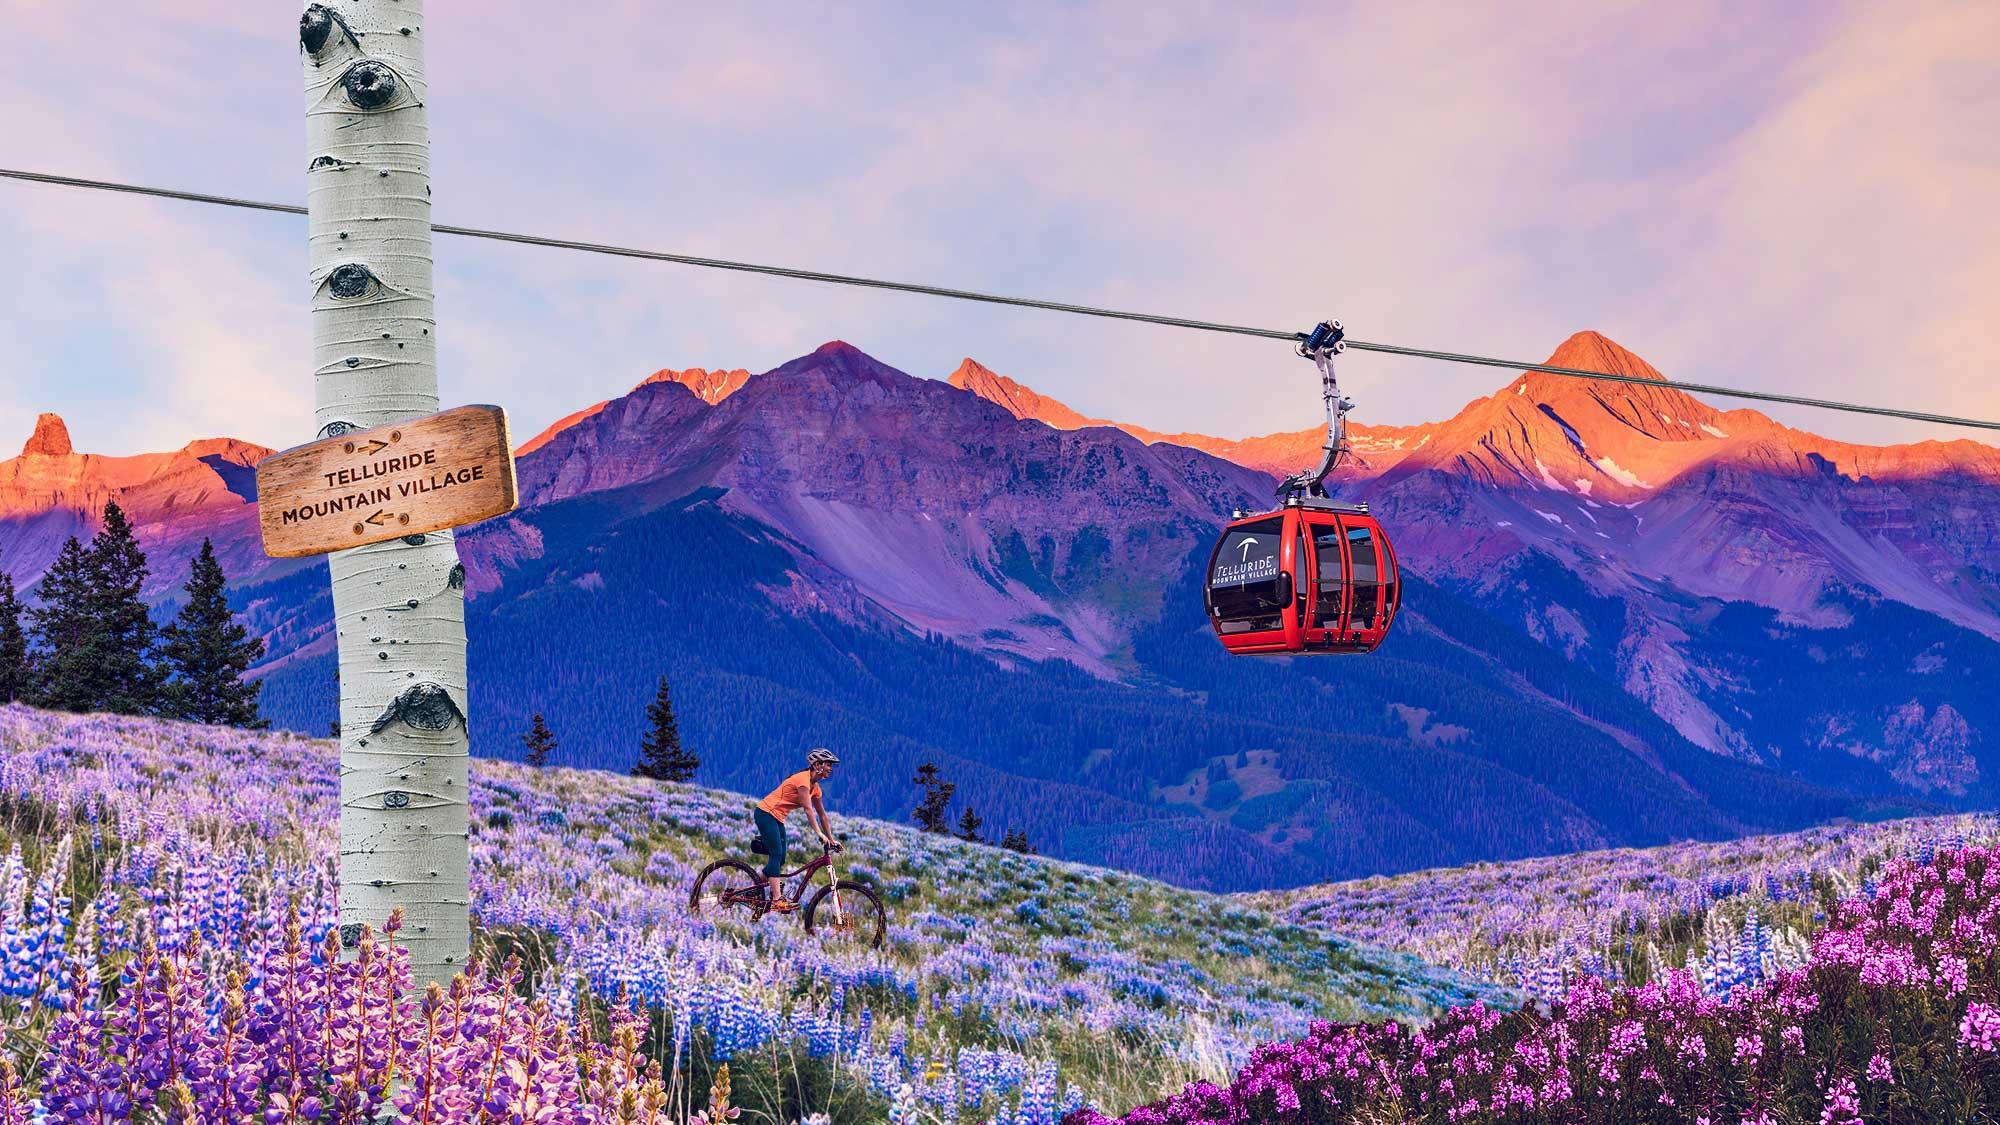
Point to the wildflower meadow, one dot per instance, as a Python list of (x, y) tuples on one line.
[(169, 953), (1892, 1017)]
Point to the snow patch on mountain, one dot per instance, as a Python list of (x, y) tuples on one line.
[(1611, 469)]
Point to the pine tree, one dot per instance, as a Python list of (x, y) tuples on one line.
[(206, 651), (64, 634), (937, 795), (968, 826), (126, 681), (661, 756), (1016, 840), (539, 741), (15, 671)]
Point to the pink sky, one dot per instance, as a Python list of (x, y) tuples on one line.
[(1788, 197)]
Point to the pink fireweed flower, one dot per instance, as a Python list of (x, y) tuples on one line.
[(1628, 1038), (1951, 972), (1842, 1107), (1794, 1039), (1980, 1029)]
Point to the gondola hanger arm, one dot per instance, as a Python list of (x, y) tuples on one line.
[(1326, 340)]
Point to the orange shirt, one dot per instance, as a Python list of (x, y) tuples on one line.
[(791, 796)]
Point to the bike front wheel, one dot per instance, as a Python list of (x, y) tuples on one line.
[(726, 888), (848, 913)]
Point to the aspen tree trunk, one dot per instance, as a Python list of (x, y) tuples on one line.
[(399, 606)]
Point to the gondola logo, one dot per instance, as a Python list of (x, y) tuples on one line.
[(1249, 570)]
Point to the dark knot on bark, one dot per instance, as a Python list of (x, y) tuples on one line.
[(349, 281), (369, 85), (315, 28), (425, 706)]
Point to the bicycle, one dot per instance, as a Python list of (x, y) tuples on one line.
[(851, 911)]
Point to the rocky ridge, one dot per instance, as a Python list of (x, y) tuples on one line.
[(205, 488)]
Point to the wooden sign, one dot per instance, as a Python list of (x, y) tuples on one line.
[(406, 478)]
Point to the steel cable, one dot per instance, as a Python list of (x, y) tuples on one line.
[(1019, 302)]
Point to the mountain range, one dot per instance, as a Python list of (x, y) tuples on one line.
[(1668, 507), (1630, 618)]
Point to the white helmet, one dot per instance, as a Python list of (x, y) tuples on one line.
[(820, 755)]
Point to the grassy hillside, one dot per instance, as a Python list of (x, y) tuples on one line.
[(1006, 978)]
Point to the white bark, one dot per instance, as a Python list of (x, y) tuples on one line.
[(399, 608)]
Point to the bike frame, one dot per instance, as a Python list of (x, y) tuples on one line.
[(804, 875), (823, 859)]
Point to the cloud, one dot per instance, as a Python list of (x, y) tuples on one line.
[(146, 324), (1729, 192), (174, 329), (1845, 244)]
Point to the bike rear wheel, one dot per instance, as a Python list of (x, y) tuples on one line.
[(726, 888), (848, 912)]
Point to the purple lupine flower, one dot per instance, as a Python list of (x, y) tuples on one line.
[(285, 1020), (429, 1055), (360, 1033), (79, 1077), (225, 1075), (15, 1108)]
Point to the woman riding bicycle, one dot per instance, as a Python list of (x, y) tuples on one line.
[(799, 791), (840, 913)]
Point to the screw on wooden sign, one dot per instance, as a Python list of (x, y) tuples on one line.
[(367, 486)]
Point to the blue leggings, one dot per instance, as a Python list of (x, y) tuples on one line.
[(773, 831)]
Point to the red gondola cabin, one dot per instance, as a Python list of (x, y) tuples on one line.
[(1316, 576)]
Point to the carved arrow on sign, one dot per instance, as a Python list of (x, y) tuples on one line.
[(374, 445), (380, 517)]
